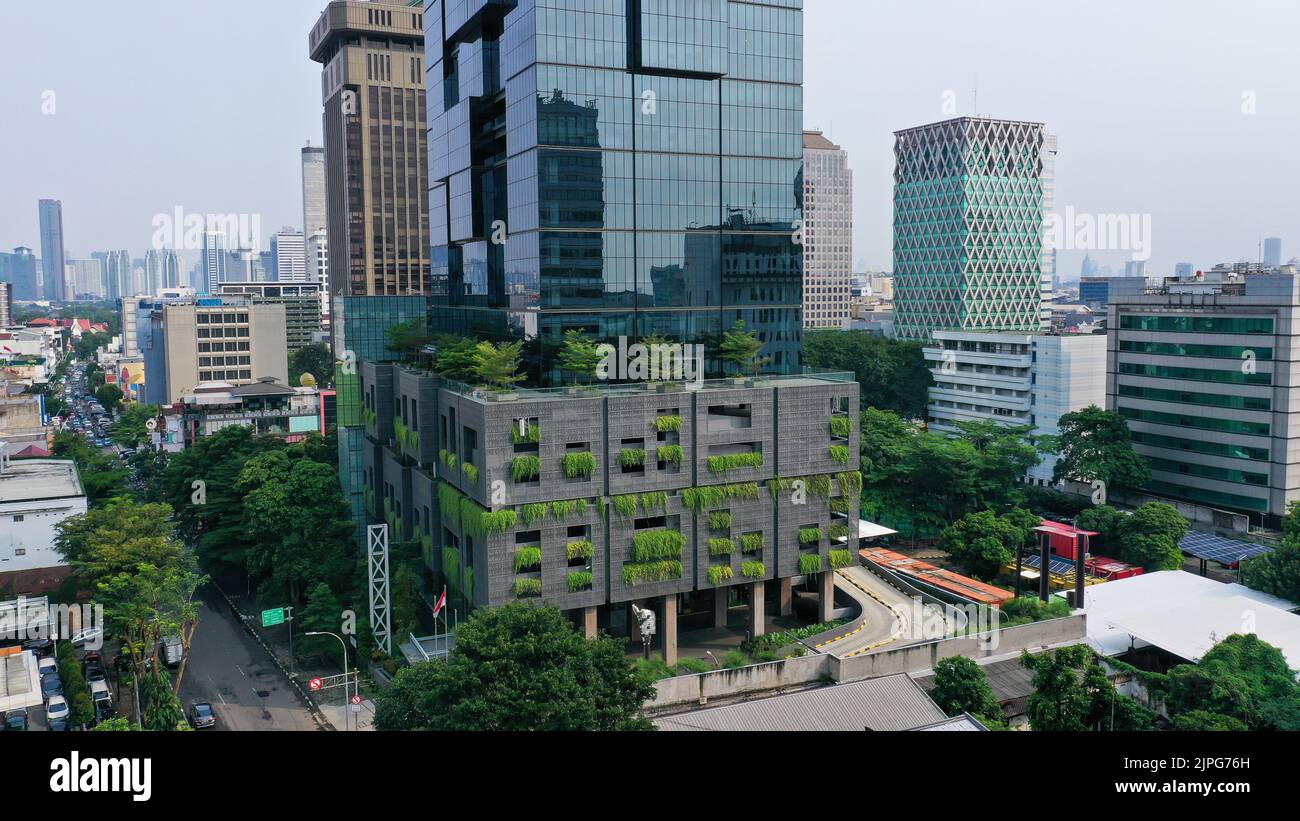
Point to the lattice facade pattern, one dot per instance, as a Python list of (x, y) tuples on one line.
[(970, 197)]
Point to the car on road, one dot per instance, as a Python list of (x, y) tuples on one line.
[(16, 720), (51, 686), (202, 716), (95, 672), (56, 709)]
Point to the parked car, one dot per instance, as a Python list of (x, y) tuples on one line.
[(51, 685), (16, 720), (56, 708), (41, 647), (202, 716), (88, 636), (60, 725), (95, 672), (46, 666)]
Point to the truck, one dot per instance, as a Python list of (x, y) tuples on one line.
[(172, 650)]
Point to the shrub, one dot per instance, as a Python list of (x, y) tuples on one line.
[(448, 459), (581, 549), (840, 504), (526, 468), (721, 547), (528, 556), (719, 574), (569, 507), (525, 588), (670, 454), (810, 535), (819, 486), (651, 545), (625, 506), (850, 482), (664, 424), (471, 473), (480, 522), (634, 574), (655, 500), (720, 520), (533, 513), (841, 426), (841, 558), (734, 461), (751, 542), (532, 436), (840, 453), (579, 580), (579, 465), (753, 570), (810, 563), (632, 457), (838, 530)]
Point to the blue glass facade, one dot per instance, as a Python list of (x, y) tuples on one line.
[(627, 167)]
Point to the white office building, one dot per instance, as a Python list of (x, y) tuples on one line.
[(35, 495), (214, 260), (827, 232), (289, 252)]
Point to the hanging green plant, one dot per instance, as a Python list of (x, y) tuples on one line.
[(525, 468), (579, 580), (632, 457), (533, 513), (660, 571), (651, 545), (579, 465), (810, 563), (532, 436), (850, 482), (810, 535), (841, 427), (753, 570), (721, 547), (528, 588), (719, 574), (655, 500), (840, 558), (734, 461), (625, 506), (670, 454), (720, 520), (665, 424), (751, 542), (528, 557), (581, 549), (566, 508)]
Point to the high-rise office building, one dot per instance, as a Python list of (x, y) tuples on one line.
[(643, 178), (53, 259), (162, 269), (118, 278), (970, 198), (289, 257), (314, 219), (225, 339), (1135, 268), (301, 303), (1272, 252), (6, 304), (86, 278), (376, 159), (318, 268), (19, 270), (827, 232), (213, 261)]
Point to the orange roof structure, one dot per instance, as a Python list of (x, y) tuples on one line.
[(946, 580)]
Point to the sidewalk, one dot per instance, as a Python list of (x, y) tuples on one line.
[(336, 715)]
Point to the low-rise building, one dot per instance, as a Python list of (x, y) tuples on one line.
[(35, 495), (268, 407)]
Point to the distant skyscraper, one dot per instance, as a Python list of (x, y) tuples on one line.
[(214, 260), (376, 143), (53, 258), (86, 278), (118, 279), (827, 232), (1089, 267), (1135, 268), (1272, 252), (19, 270), (314, 218), (6, 304), (289, 255), (1184, 269), (162, 269), (318, 267), (970, 197)]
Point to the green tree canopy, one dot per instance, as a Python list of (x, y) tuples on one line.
[(892, 373), (497, 366), (1278, 573), (519, 668), (1095, 444), (960, 686), (457, 357), (1150, 535), (314, 359), (407, 338), (742, 348), (982, 542), (110, 396), (129, 430), (1242, 677), (1073, 693), (579, 355)]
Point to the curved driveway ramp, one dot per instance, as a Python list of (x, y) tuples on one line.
[(879, 623)]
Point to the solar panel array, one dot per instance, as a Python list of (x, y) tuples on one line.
[(1218, 549), (1060, 567)]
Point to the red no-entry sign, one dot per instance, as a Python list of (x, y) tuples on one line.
[(314, 684)]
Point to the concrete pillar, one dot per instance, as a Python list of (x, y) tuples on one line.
[(589, 622), (825, 595), (757, 603), (786, 596), (668, 629), (721, 597)]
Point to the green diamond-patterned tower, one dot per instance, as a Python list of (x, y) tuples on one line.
[(970, 196)]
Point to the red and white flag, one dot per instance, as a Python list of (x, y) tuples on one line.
[(442, 602)]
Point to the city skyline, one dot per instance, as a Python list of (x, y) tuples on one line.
[(1213, 147)]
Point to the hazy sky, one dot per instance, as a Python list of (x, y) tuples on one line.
[(202, 105)]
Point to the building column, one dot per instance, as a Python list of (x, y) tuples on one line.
[(786, 596), (721, 597), (589, 622), (757, 594), (825, 595), (668, 629)]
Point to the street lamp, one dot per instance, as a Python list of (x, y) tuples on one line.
[(347, 705)]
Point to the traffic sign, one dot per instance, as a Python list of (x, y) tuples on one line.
[(356, 700), (270, 618), (314, 684)]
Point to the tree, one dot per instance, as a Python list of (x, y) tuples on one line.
[(116, 725), (100, 476), (1103, 520), (1278, 572), (742, 348), (892, 373), (314, 359), (497, 366), (1005, 455), (983, 542), (1095, 444), (1242, 677), (960, 686), (407, 338), (110, 396), (1198, 721), (457, 357), (1150, 535), (129, 430), (323, 613), (519, 668), (579, 355), (1072, 693)]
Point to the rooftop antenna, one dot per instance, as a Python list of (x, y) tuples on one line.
[(977, 95)]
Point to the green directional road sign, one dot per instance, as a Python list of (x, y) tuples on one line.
[(270, 618)]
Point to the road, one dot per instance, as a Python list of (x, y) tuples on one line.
[(881, 603), (231, 671)]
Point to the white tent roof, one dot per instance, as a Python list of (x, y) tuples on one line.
[(871, 530), (1186, 614)]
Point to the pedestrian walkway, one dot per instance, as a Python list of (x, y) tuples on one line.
[(338, 714)]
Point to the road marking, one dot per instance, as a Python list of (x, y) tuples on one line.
[(241, 671)]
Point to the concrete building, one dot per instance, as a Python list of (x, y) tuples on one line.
[(315, 218), (1015, 379), (970, 198), (6, 304), (289, 257), (53, 258), (318, 267), (216, 339), (22, 418), (689, 524), (213, 261), (269, 407), (376, 153), (827, 232), (1204, 371), (301, 301), (35, 495), (19, 270)]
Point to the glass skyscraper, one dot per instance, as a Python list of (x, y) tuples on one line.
[(52, 254), (624, 167), (970, 198)]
